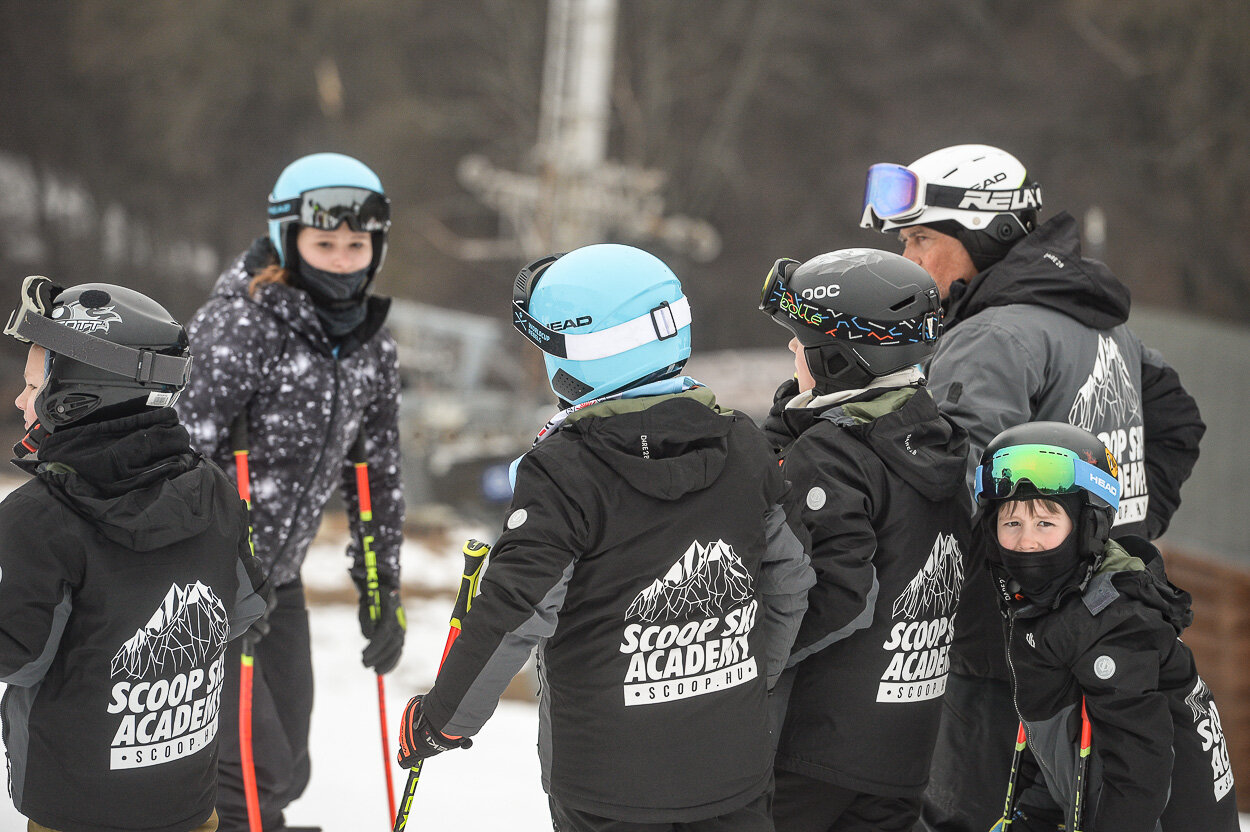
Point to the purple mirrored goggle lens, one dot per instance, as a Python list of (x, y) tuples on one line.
[(891, 191)]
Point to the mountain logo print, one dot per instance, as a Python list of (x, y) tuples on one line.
[(705, 580), (935, 589), (188, 628), (1108, 395)]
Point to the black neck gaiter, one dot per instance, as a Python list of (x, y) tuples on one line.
[(340, 299), (1042, 575)]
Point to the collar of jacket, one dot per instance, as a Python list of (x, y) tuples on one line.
[(615, 407)]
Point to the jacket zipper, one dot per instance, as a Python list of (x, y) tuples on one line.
[(1011, 632)]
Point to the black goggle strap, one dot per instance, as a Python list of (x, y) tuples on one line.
[(976, 199), (778, 299), (144, 366)]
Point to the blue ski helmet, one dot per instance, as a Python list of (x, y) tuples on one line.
[(325, 190), (607, 317)]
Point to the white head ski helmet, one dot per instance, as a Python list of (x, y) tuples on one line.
[(607, 317), (325, 190), (979, 194)]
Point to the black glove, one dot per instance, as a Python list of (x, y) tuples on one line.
[(260, 627), (418, 739), (383, 623)]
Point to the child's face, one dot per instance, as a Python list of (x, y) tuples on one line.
[(340, 251), (1032, 525), (33, 378), (801, 372)]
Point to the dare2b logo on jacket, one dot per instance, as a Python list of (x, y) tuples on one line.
[(171, 670), (920, 641), (686, 633)]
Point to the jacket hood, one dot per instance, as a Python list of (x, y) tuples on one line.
[(1046, 269), (1133, 567), (905, 429), (292, 306), (135, 479), (664, 446)]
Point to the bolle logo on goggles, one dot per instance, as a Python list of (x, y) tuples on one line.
[(584, 320), (76, 316), (979, 200)]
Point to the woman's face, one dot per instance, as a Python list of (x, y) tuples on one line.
[(801, 371), (33, 378), (340, 251), (1032, 526)]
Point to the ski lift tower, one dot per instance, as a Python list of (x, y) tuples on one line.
[(576, 196)]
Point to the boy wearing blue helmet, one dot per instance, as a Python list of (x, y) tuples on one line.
[(1098, 670), (646, 555), (292, 361)]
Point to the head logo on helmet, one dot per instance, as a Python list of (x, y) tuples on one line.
[(607, 317), (324, 191)]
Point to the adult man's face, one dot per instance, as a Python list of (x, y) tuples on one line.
[(941, 255)]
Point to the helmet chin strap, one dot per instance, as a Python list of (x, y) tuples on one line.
[(31, 441)]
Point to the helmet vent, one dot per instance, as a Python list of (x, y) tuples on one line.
[(94, 298), (567, 387), (903, 304)]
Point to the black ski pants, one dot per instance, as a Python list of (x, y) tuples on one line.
[(972, 758), (756, 816), (282, 699), (804, 804)]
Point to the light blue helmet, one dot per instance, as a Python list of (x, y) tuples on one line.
[(607, 317), (325, 190)]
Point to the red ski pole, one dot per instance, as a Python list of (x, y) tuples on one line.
[(474, 554), (365, 501), (1009, 806), (238, 439), (1082, 768)]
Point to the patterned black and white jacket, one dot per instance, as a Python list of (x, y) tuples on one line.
[(306, 399)]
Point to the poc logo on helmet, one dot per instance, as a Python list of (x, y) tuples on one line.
[(584, 320), (818, 292)]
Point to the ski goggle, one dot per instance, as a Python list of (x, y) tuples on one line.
[(659, 324), (897, 193), (1049, 469), (328, 208), (777, 299)]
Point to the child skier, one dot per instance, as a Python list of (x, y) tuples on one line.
[(877, 493), (126, 567), (1095, 622), (646, 554)]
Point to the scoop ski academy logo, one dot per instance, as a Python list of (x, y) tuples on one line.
[(690, 628), (170, 673)]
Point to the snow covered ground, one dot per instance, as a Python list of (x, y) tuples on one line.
[(491, 786)]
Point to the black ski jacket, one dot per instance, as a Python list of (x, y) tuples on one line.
[(305, 400), (645, 552), (1160, 761), (124, 569), (877, 496), (1041, 336)]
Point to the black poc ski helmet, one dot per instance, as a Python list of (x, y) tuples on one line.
[(108, 347), (1054, 460), (859, 313)]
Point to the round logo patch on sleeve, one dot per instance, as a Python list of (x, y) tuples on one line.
[(1104, 667), (517, 517), (816, 498)]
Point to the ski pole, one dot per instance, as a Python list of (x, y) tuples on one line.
[(247, 658), (357, 456), (1009, 806), (1082, 766), (474, 552)]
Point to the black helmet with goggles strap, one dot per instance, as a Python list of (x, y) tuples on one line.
[(107, 346)]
